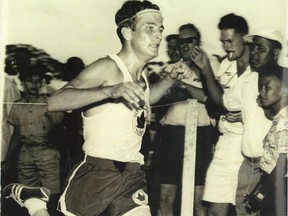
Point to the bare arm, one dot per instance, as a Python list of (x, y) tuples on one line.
[(70, 97), (196, 93), (215, 91), (96, 83), (179, 71)]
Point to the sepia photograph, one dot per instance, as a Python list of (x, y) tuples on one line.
[(144, 107)]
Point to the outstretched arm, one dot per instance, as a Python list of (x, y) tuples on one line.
[(179, 71)]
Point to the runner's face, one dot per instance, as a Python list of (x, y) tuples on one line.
[(147, 35), (233, 44)]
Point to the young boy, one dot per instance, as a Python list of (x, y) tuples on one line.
[(270, 195), (38, 160)]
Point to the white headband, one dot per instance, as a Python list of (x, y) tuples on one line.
[(140, 13)]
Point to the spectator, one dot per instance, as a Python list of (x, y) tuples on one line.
[(271, 191), (74, 66), (224, 89), (38, 162)]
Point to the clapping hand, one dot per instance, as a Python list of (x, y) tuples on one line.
[(199, 57)]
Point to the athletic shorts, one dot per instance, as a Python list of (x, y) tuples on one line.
[(97, 185)]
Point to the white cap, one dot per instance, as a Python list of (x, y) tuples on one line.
[(267, 32)]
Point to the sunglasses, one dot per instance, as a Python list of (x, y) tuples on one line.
[(186, 40)]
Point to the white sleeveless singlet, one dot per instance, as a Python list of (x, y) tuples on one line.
[(116, 132)]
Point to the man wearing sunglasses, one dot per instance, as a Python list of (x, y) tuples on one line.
[(188, 40)]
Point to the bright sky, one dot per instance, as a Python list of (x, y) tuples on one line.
[(86, 28)]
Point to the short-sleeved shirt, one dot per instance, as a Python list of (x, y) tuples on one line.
[(276, 141), (232, 98), (33, 119), (176, 114)]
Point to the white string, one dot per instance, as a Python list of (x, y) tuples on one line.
[(43, 104), (162, 105), (22, 103)]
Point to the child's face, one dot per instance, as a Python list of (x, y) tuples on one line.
[(270, 88), (33, 84)]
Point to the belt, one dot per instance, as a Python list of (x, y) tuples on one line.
[(38, 144), (253, 159)]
